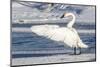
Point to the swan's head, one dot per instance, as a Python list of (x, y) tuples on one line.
[(67, 15)]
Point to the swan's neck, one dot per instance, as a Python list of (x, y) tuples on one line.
[(70, 24)]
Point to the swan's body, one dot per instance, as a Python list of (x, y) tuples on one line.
[(68, 34)]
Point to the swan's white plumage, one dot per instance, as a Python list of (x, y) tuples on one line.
[(68, 34)]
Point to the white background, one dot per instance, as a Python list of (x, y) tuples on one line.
[(5, 33)]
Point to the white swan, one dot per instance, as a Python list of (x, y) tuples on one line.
[(68, 34)]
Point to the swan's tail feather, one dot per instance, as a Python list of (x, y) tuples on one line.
[(82, 45)]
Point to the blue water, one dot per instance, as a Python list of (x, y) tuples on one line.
[(28, 41), (77, 25)]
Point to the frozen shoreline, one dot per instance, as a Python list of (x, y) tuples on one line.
[(53, 59)]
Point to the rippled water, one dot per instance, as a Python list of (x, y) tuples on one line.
[(28, 41)]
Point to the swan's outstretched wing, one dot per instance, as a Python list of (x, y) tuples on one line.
[(51, 26), (43, 30)]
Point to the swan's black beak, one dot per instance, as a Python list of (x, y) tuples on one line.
[(62, 16)]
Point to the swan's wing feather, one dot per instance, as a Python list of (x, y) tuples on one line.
[(76, 33), (52, 26), (80, 43), (74, 30), (43, 30)]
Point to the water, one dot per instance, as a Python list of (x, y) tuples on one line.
[(28, 41), (77, 25)]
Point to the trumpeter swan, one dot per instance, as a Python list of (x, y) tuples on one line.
[(68, 34)]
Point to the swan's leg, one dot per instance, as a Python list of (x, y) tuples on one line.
[(74, 50), (80, 50)]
